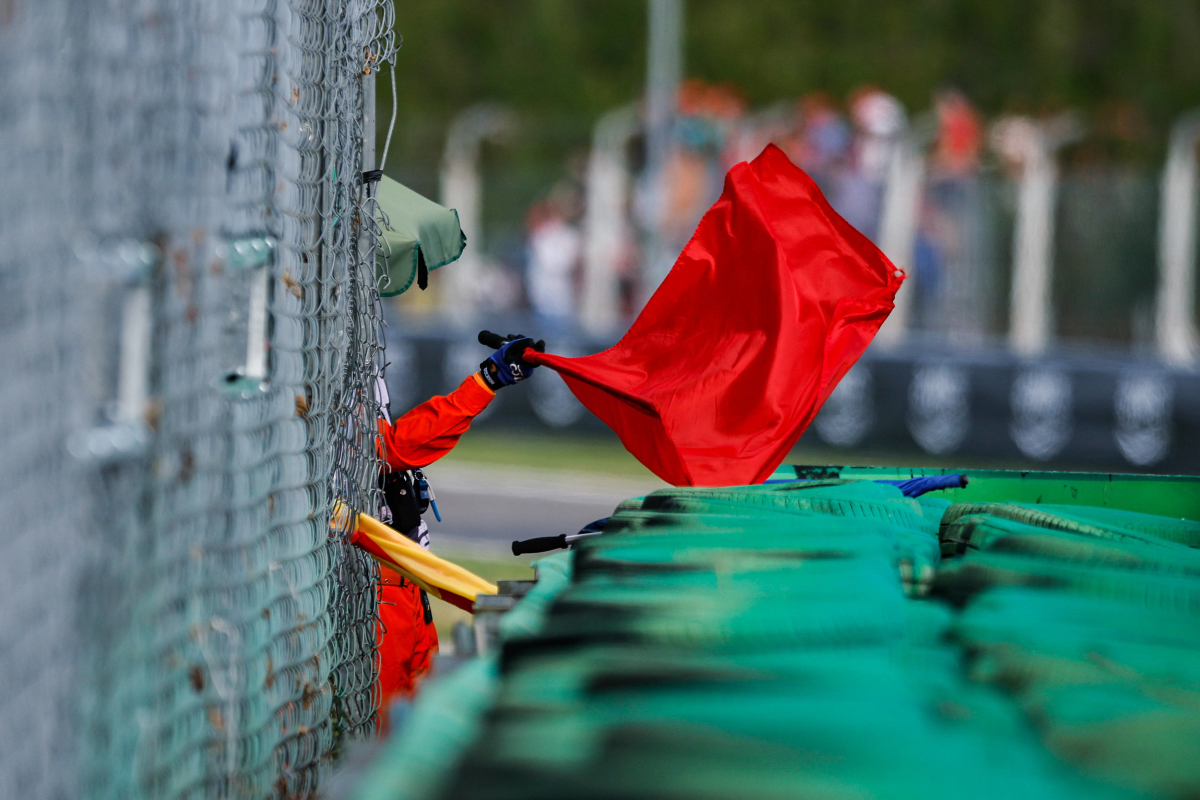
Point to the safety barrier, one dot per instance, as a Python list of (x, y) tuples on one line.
[(771, 641)]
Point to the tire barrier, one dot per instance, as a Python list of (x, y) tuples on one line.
[(780, 641)]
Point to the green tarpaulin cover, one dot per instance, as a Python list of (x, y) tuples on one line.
[(421, 230), (808, 639)]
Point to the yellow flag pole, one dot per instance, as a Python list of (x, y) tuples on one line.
[(437, 576)]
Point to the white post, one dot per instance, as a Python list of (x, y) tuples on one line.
[(899, 220), (368, 122), (1029, 314), (664, 69), (1033, 145), (256, 325), (133, 377), (1175, 326), (462, 190), (604, 224)]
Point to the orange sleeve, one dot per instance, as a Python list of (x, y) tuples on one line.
[(431, 430)]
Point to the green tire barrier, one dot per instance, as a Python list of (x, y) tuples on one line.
[(778, 642), (1099, 522), (985, 532), (415, 762), (652, 540), (854, 499), (1176, 496)]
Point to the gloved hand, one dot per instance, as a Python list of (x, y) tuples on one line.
[(505, 367)]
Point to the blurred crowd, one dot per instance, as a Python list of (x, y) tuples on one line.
[(847, 148), (954, 244)]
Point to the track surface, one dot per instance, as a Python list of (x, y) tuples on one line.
[(490, 506)]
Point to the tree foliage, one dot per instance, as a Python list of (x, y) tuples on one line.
[(580, 58)]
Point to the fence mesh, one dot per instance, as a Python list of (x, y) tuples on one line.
[(190, 339), (36, 625)]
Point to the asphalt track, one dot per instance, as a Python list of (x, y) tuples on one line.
[(486, 507)]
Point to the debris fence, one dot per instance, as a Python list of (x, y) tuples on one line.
[(189, 339)]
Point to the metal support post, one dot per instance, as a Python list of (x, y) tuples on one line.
[(1175, 326)]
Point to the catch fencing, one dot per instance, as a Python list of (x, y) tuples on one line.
[(189, 342)]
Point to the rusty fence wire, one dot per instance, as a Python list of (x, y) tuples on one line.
[(189, 341)]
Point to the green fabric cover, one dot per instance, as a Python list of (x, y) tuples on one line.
[(770, 642), (415, 762), (553, 577), (1107, 523), (419, 228)]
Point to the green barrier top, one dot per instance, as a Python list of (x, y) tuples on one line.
[(1165, 495)]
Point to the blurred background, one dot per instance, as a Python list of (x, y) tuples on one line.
[(1031, 165), (189, 335)]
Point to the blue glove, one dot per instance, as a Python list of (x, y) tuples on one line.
[(505, 367), (915, 487)]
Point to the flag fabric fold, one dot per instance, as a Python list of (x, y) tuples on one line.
[(770, 303)]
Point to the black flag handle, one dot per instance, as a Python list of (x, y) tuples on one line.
[(492, 340)]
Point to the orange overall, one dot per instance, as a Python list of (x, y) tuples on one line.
[(407, 643)]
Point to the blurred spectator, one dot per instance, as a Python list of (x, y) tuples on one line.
[(951, 267), (880, 120), (670, 205), (959, 135), (629, 274), (554, 253), (694, 172), (822, 140), (1014, 138), (687, 189), (857, 192), (500, 283), (722, 101), (754, 131)]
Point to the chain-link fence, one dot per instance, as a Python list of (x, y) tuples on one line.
[(189, 339)]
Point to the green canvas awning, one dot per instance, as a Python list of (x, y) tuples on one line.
[(424, 235)]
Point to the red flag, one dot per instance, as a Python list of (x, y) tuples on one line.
[(772, 301)]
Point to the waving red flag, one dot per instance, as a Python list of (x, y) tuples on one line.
[(772, 301)]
